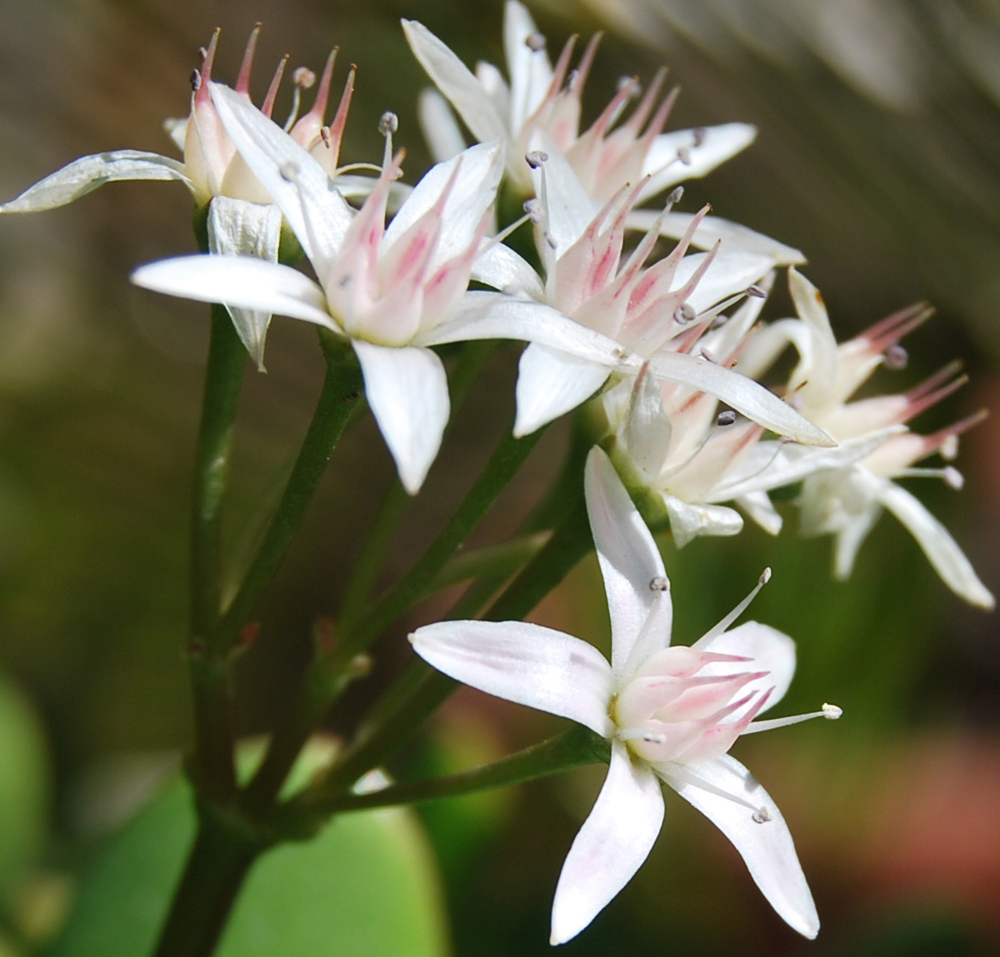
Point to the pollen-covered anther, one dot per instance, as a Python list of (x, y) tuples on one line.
[(303, 78), (388, 123)]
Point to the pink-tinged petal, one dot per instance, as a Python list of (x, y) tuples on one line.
[(772, 651), (489, 315), (711, 230), (941, 549), (240, 281), (551, 383), (766, 847), (742, 393), (316, 212), (87, 173), (239, 228), (523, 663), (454, 79), (612, 844), (471, 179), (689, 154), (634, 578), (407, 390)]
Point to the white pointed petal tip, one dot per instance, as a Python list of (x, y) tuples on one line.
[(612, 845)]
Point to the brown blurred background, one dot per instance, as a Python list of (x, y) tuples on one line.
[(878, 155)]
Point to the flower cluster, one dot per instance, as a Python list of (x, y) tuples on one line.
[(671, 349)]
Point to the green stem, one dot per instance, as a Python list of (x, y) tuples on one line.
[(211, 680), (571, 749), (342, 389), (420, 690), (330, 673), (216, 868)]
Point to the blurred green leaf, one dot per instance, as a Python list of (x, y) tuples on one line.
[(24, 785), (367, 885)]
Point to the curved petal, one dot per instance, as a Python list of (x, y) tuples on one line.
[(529, 70), (239, 228), (407, 390), (88, 172), (711, 230), (316, 212), (766, 847), (499, 266), (772, 651), (454, 79), (941, 549), (472, 193), (689, 520), (551, 383), (612, 844), (688, 154), (492, 315), (524, 663), (729, 274), (438, 124), (743, 394), (634, 577), (240, 281)]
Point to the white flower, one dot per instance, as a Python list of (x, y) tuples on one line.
[(653, 312), (845, 499), (671, 714), (539, 98), (392, 291), (241, 219)]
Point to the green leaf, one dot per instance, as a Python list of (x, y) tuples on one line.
[(366, 886), (24, 785)]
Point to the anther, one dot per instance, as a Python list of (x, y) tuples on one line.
[(831, 711), (533, 208), (659, 584), (289, 171), (765, 576), (727, 417), (949, 448), (535, 158), (896, 357), (675, 196), (631, 85), (708, 357), (324, 132), (388, 123), (535, 42), (303, 78), (952, 477), (699, 136), (195, 80), (756, 291), (761, 816), (684, 155), (685, 313)]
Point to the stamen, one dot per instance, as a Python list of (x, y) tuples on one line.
[(896, 357), (387, 125), (765, 577), (535, 42), (700, 135), (829, 711), (684, 314), (684, 155), (761, 816), (726, 417), (535, 158), (660, 583), (680, 772), (756, 291)]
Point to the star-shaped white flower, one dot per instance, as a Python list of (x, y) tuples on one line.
[(540, 98), (671, 714), (393, 291)]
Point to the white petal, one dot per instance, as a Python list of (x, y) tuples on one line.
[(730, 273), (240, 281), (472, 194), (437, 123), (490, 315), (524, 663), (454, 79), (743, 394), (503, 269), (612, 844), (567, 208), (551, 383), (316, 212), (818, 368), (239, 228), (760, 508), (941, 549), (647, 430), (407, 390), (767, 848), (87, 173), (634, 577), (689, 520), (530, 72), (716, 144), (772, 651), (712, 229)]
